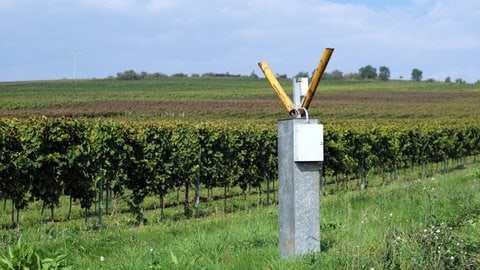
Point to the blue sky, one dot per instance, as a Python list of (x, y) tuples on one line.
[(40, 38)]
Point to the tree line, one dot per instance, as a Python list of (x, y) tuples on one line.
[(133, 75), (367, 72)]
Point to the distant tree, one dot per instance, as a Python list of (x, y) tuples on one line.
[(459, 81), (195, 75), (334, 75), (159, 75), (384, 74), (211, 74), (301, 74), (208, 74), (351, 76), (367, 72), (417, 74), (179, 75), (253, 74), (128, 75), (448, 80)]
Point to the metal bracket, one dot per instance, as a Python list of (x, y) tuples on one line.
[(286, 101)]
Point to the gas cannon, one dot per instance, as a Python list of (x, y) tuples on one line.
[(300, 152)]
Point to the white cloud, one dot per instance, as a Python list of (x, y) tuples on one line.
[(427, 25), (250, 32), (4, 4), (143, 6), (112, 5), (162, 5), (289, 34)]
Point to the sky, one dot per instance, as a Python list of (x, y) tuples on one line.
[(66, 39)]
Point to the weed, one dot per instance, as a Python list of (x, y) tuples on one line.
[(25, 256), (440, 243)]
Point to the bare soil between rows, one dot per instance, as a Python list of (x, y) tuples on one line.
[(231, 107)]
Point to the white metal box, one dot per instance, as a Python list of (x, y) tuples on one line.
[(308, 142)]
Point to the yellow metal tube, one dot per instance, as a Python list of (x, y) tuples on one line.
[(286, 101), (317, 75)]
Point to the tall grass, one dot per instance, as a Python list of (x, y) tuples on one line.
[(430, 223), (424, 224)]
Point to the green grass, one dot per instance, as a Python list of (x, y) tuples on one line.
[(37, 94), (34, 94), (393, 85), (430, 223)]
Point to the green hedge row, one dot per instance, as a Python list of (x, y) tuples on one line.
[(43, 158)]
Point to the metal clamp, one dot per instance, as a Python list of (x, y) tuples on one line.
[(298, 113)]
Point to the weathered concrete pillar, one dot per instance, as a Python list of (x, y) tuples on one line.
[(300, 149)]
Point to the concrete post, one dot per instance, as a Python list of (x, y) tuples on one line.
[(300, 149)]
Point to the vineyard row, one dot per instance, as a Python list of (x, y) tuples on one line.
[(44, 158)]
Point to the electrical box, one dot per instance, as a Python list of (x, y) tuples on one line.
[(308, 142)]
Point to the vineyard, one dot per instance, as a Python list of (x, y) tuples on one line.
[(44, 158), (190, 134), (400, 177)]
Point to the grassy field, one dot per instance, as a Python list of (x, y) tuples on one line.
[(412, 223), (336, 102), (430, 223)]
